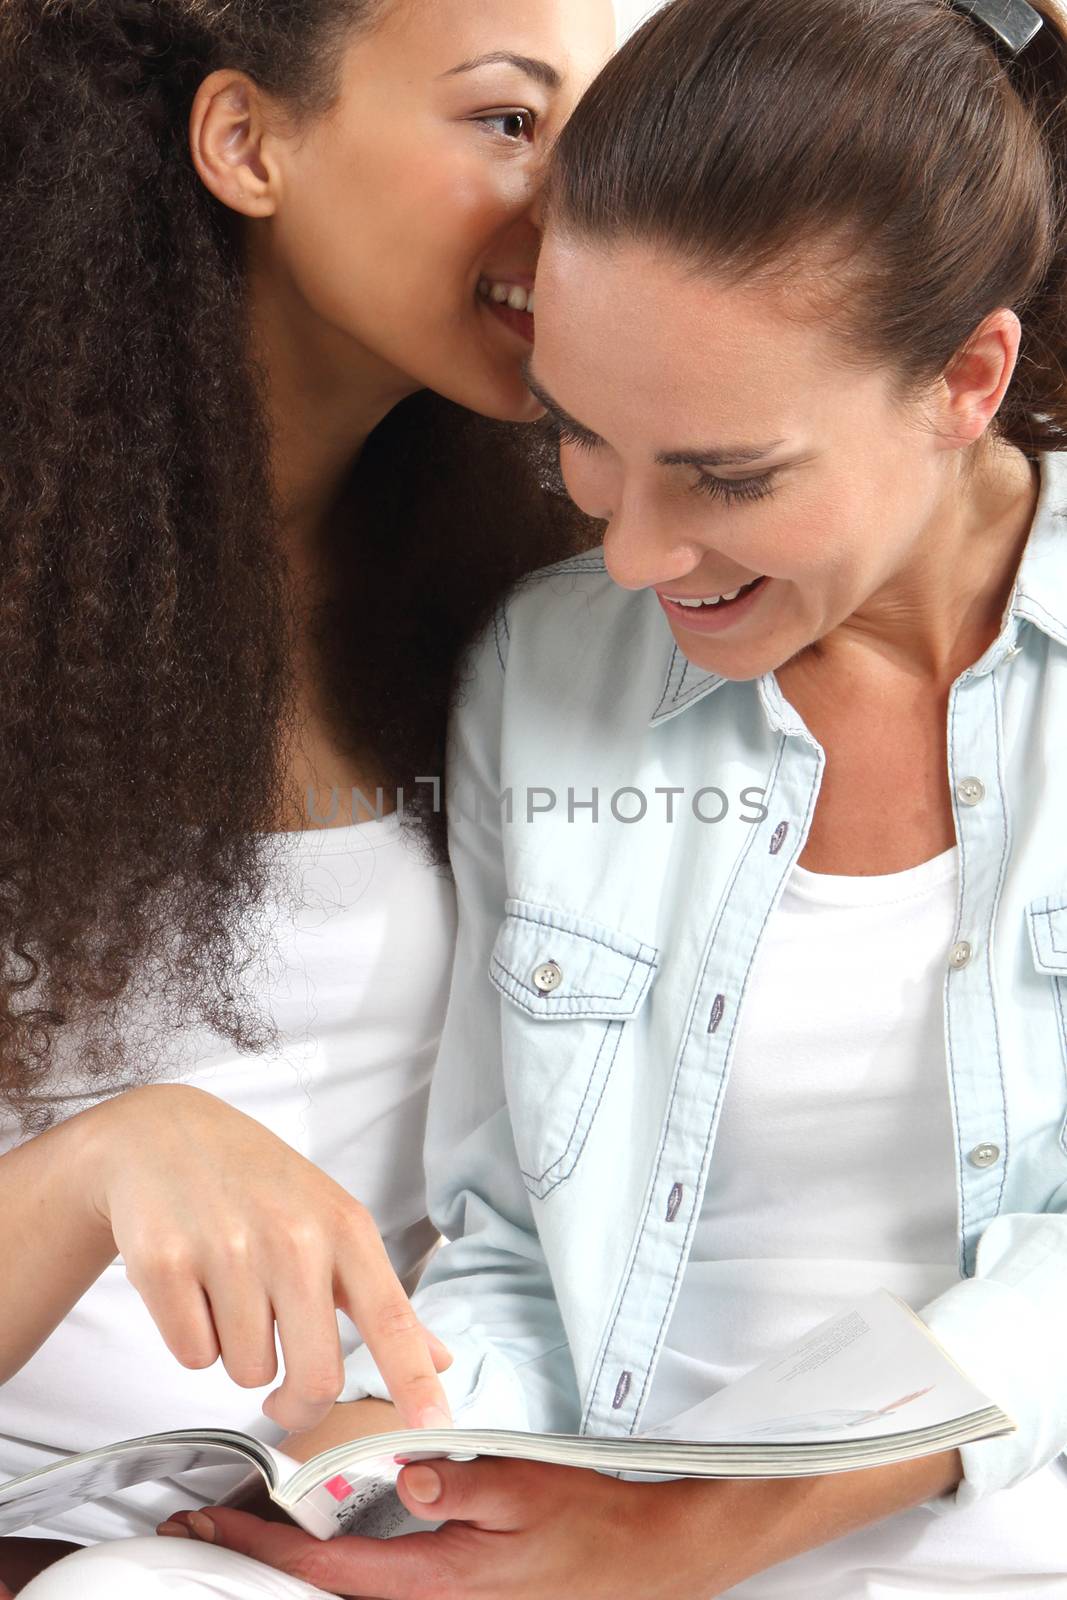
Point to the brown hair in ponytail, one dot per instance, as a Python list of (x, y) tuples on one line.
[(895, 139)]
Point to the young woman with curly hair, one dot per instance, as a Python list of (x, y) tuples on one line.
[(260, 263)]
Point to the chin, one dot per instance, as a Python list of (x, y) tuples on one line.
[(487, 382), (736, 666), (503, 398)]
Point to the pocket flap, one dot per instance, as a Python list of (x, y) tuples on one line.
[(1048, 934), (585, 970)]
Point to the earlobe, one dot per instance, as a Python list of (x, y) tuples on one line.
[(227, 139)]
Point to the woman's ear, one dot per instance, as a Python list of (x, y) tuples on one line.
[(231, 144), (977, 378)]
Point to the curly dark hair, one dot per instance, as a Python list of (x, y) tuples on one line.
[(145, 622)]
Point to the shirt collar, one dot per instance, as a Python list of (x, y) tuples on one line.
[(1039, 597), (1040, 594)]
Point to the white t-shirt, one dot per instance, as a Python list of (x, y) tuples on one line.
[(834, 1174), (364, 933)]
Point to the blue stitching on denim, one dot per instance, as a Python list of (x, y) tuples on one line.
[(547, 921), (573, 566), (560, 1012), (567, 1005), (1058, 986), (686, 664), (670, 679), (1052, 911), (704, 687), (609, 1069), (950, 999), (792, 860), (994, 910), (1059, 627), (562, 1004), (654, 1183)]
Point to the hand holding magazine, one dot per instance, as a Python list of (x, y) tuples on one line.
[(868, 1387)]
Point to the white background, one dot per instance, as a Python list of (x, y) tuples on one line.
[(631, 12)]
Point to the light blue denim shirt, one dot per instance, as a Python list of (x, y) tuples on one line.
[(610, 916)]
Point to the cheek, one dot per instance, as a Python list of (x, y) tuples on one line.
[(395, 233), (590, 481)]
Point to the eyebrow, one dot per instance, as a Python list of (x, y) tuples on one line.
[(734, 455), (542, 72)]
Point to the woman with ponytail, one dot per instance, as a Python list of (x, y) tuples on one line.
[(261, 262), (770, 1009)]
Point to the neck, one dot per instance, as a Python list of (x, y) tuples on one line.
[(943, 611)]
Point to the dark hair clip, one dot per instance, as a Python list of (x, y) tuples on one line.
[(1013, 22)]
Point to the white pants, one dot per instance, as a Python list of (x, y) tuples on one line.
[(142, 1569)]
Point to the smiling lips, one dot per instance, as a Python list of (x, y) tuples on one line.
[(713, 600), (713, 613), (510, 303)]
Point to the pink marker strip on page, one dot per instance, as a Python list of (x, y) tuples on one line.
[(340, 1488)]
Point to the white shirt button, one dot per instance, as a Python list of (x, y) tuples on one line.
[(548, 977), (984, 1155), (971, 791), (962, 955)]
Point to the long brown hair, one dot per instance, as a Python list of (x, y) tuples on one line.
[(897, 138), (144, 619)]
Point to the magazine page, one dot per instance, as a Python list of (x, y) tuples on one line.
[(870, 1373), (49, 1492), (362, 1501)]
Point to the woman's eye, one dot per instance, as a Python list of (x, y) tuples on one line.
[(511, 125), (734, 490), (559, 434)]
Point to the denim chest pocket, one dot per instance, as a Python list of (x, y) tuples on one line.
[(571, 987), (1048, 939)]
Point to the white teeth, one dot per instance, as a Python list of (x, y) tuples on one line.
[(710, 600), (507, 294)]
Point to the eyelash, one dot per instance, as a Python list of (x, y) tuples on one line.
[(734, 492), (737, 490), (529, 119), (559, 434)]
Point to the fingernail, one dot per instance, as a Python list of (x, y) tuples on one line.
[(202, 1526), (423, 1485), (435, 1417), (173, 1530)]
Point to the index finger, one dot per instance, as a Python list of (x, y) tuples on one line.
[(374, 1298)]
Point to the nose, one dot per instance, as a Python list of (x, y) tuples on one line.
[(643, 551)]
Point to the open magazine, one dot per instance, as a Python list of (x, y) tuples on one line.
[(866, 1388)]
